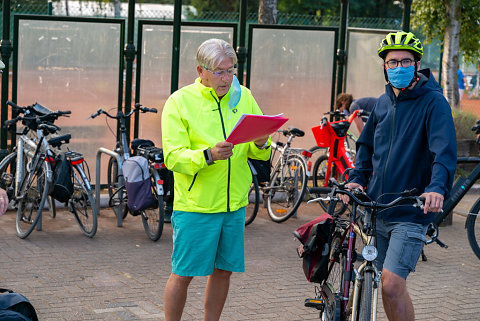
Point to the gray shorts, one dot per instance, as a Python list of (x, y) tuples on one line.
[(399, 246)]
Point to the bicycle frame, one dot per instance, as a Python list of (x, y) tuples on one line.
[(350, 232), (326, 136)]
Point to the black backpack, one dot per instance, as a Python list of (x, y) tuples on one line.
[(15, 307), (316, 239), (62, 188)]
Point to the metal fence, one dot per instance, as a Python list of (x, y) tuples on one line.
[(107, 10)]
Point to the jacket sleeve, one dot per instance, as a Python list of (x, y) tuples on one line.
[(363, 160), (442, 144), (176, 142)]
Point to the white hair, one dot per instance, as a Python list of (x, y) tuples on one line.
[(211, 53)]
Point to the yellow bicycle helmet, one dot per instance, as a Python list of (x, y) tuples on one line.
[(401, 40)]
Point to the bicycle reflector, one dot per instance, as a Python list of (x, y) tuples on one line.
[(307, 153)]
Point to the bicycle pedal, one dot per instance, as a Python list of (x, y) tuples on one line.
[(317, 303)]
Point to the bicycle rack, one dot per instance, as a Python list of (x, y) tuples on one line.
[(111, 153)]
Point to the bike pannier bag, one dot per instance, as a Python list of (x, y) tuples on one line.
[(262, 168), (137, 183), (63, 185), (15, 307), (316, 238)]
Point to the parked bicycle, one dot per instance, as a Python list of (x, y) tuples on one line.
[(350, 138), (27, 174), (152, 217), (350, 292), (461, 187), (332, 135), (287, 186)]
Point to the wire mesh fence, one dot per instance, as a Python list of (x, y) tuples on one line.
[(165, 12)]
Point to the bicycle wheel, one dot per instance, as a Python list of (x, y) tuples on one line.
[(82, 204), (152, 218), (117, 198), (366, 297), (7, 174), (320, 175), (473, 229), (287, 189), (334, 281), (350, 145), (253, 201), (34, 193)]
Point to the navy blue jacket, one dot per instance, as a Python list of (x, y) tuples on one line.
[(408, 142)]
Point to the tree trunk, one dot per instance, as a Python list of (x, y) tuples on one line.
[(267, 11), (66, 7), (117, 8), (450, 53)]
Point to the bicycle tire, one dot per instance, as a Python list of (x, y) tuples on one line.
[(30, 207), (335, 279), (251, 209), (366, 297), (153, 218), (82, 204), (473, 229), (116, 202), (287, 189), (319, 176), (7, 174)]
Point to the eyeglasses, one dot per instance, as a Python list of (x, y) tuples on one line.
[(221, 73), (404, 62)]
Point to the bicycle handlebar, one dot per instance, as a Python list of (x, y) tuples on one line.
[(356, 195), (121, 115), (40, 110)]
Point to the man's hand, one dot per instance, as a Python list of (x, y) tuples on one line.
[(223, 150), (261, 141), (3, 201), (345, 198), (433, 202)]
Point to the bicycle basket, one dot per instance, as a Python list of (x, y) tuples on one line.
[(322, 136)]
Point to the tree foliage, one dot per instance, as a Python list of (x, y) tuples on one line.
[(430, 18)]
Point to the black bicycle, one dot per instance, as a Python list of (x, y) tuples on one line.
[(461, 186), (349, 291)]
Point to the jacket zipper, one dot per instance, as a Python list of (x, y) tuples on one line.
[(391, 143), (229, 164), (194, 178)]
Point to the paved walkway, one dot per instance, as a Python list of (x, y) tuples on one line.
[(120, 274)]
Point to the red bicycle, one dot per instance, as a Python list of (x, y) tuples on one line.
[(337, 160)]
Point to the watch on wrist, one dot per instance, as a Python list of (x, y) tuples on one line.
[(207, 153)]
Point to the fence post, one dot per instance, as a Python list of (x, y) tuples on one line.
[(341, 54), (6, 52), (177, 21), (241, 50)]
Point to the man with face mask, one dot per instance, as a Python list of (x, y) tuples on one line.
[(212, 178), (408, 143)]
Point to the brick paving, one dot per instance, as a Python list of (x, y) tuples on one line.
[(120, 274)]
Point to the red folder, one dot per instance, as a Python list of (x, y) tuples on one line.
[(249, 127)]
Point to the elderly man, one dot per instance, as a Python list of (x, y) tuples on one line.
[(212, 178)]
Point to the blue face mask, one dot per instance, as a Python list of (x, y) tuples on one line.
[(235, 93), (401, 77)]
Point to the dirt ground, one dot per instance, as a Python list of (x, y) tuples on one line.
[(470, 104)]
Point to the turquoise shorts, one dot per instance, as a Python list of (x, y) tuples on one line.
[(204, 241)]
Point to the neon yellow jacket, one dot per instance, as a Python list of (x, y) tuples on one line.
[(193, 119)]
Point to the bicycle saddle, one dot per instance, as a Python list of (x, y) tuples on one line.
[(297, 132), (59, 140)]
